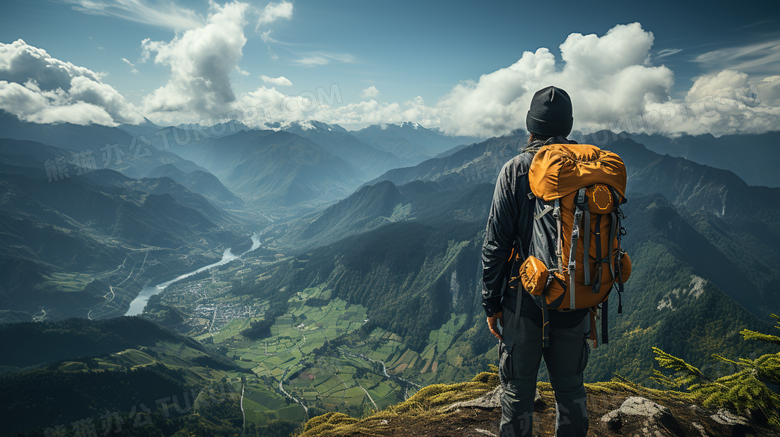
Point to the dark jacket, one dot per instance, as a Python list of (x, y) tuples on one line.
[(510, 222)]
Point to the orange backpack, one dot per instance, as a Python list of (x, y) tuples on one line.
[(578, 191)]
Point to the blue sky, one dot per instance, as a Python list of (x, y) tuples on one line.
[(425, 59)]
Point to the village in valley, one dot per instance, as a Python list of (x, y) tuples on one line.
[(317, 354)]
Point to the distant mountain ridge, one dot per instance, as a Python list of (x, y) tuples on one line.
[(688, 257), (336, 140), (73, 338), (130, 157), (163, 185), (201, 182), (755, 158), (373, 206), (275, 169), (411, 140), (474, 164), (83, 227)]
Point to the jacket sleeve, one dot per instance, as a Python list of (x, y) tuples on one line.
[(500, 236)]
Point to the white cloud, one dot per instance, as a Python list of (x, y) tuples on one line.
[(271, 106), (241, 72), (323, 58), (667, 52), (132, 66), (311, 61), (201, 61), (719, 104), (610, 78), (20, 62), (36, 87), (30, 103), (163, 13), (266, 37), (280, 81), (612, 85), (275, 11), (605, 76), (369, 92), (769, 91), (761, 58), (712, 85), (362, 114)]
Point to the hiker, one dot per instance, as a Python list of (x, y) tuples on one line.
[(524, 341)]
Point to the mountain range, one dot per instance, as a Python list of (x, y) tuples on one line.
[(275, 169), (753, 158), (695, 255), (411, 140), (63, 239), (388, 221), (339, 142)]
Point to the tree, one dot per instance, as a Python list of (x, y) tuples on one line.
[(745, 389)]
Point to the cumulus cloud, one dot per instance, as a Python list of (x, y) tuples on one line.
[(369, 92), (20, 62), (201, 61), (717, 104), (607, 78), (241, 72), (280, 81), (611, 79), (276, 11), (32, 104), (612, 83), (164, 13), (267, 105), (37, 87), (358, 115)]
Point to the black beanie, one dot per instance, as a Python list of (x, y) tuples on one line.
[(550, 113)]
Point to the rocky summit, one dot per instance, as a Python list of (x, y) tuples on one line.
[(473, 409)]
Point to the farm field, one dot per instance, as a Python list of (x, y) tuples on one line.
[(296, 363)]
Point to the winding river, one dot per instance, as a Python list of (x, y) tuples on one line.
[(139, 303)]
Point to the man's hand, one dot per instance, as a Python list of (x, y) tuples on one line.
[(493, 324)]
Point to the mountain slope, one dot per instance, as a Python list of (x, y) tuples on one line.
[(132, 158), (66, 243), (275, 169), (742, 221), (478, 163), (73, 338), (340, 143), (686, 259), (679, 297), (754, 158), (748, 213), (120, 370), (201, 182), (161, 186), (373, 206)]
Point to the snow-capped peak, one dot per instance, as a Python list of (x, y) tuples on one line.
[(411, 124), (306, 125)]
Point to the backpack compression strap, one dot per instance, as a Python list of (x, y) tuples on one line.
[(586, 239), (575, 235)]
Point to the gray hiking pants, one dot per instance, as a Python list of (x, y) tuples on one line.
[(566, 358)]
